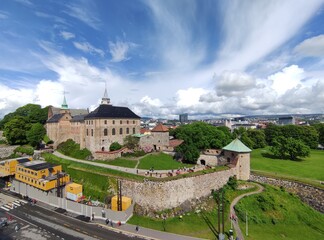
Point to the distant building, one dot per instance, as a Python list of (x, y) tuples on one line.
[(287, 120), (183, 118)]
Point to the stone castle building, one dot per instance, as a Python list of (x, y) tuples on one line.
[(96, 130)]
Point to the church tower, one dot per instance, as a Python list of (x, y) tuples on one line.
[(105, 99), (64, 106)]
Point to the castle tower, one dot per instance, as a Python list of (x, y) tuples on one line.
[(238, 154)]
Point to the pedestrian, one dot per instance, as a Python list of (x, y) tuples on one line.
[(137, 228), (107, 221), (111, 223)]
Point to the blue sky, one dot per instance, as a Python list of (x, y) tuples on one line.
[(161, 58)]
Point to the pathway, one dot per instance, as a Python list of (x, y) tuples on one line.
[(237, 229)]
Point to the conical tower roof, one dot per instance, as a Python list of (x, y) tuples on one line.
[(237, 146), (105, 99), (64, 104)]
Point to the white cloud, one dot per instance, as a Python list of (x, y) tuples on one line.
[(311, 47), (67, 35), (234, 83), (4, 15), (189, 97), (84, 13), (254, 29), (119, 50), (287, 79), (88, 48)]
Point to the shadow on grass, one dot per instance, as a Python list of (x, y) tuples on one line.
[(210, 224), (286, 158)]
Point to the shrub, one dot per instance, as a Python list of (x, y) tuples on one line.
[(24, 150), (115, 146), (72, 149)]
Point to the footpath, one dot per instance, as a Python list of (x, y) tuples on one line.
[(236, 226)]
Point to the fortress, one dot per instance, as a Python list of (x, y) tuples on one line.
[(96, 130)]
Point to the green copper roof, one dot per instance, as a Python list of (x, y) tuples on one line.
[(237, 146), (64, 104)]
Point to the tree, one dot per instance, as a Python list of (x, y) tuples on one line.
[(115, 146), (15, 130), (320, 130), (131, 142), (242, 134), (35, 134), (257, 137), (272, 132), (199, 136), (289, 147)]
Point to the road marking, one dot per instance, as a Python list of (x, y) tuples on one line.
[(16, 204), (23, 201), (4, 208)]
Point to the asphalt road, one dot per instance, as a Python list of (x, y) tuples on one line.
[(57, 225)]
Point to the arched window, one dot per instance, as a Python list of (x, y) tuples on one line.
[(127, 122), (105, 132), (113, 121), (113, 131), (133, 130), (127, 130), (91, 132), (120, 131), (105, 121), (121, 121)]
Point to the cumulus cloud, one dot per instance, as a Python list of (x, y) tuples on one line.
[(119, 50), (311, 47), (189, 97), (234, 83), (67, 35), (88, 48), (287, 79)]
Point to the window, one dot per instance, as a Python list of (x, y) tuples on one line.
[(121, 121), (105, 121), (120, 131), (105, 132), (92, 132), (127, 130), (87, 132), (113, 131), (113, 121), (127, 122), (133, 121), (133, 130)]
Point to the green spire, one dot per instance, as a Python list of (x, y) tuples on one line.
[(64, 104)]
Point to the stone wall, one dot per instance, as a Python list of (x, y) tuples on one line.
[(158, 196), (6, 151), (311, 195)]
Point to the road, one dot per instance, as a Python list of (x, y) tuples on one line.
[(56, 225), (237, 229)]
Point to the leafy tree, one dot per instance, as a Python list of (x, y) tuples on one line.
[(15, 131), (257, 137), (32, 113), (272, 132), (289, 147), (242, 134), (131, 142), (320, 130), (35, 134), (189, 153), (199, 136), (115, 146)]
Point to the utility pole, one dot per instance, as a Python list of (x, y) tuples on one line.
[(119, 195), (246, 222)]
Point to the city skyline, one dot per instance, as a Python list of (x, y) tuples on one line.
[(164, 58)]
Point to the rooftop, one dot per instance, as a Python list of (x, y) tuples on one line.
[(109, 111), (160, 128), (237, 146)]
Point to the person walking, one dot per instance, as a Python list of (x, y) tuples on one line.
[(137, 228)]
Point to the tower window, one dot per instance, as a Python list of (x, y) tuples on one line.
[(127, 130), (113, 131), (133, 121), (120, 131), (105, 132), (91, 132), (127, 122), (113, 121), (121, 121), (133, 130)]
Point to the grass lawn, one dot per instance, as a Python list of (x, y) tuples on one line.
[(160, 161), (273, 214), (276, 214), (202, 225), (310, 169), (123, 163)]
